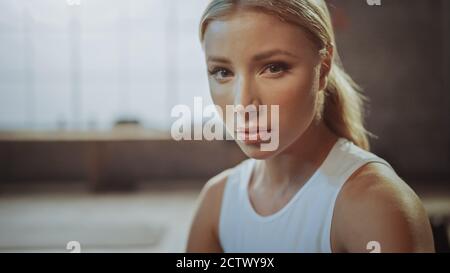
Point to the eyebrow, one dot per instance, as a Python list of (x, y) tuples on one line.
[(256, 58), (271, 53)]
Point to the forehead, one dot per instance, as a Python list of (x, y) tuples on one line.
[(250, 31)]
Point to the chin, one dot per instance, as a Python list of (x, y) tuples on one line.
[(254, 151)]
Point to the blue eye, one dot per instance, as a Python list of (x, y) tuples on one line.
[(276, 68), (220, 73)]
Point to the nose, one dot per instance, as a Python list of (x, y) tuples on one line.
[(246, 95), (245, 92)]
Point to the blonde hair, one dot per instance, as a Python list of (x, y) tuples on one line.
[(342, 101)]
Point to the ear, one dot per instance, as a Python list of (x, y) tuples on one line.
[(326, 56)]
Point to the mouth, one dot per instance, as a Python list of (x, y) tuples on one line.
[(252, 135)]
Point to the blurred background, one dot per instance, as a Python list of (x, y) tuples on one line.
[(86, 92)]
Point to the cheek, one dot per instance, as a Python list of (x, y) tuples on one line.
[(295, 94), (220, 94)]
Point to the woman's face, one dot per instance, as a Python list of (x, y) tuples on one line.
[(254, 58)]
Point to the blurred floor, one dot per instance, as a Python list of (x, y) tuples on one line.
[(43, 217)]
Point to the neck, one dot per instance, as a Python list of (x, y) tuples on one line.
[(300, 160)]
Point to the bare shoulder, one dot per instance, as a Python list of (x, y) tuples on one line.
[(216, 184), (375, 204), (203, 235), (212, 192)]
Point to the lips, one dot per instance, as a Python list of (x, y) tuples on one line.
[(251, 135), (251, 129)]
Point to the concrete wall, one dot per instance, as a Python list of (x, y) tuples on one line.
[(399, 53)]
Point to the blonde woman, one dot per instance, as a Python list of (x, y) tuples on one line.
[(321, 190)]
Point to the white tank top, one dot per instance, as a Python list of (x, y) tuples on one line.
[(304, 223)]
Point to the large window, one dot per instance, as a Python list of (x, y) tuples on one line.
[(86, 64)]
